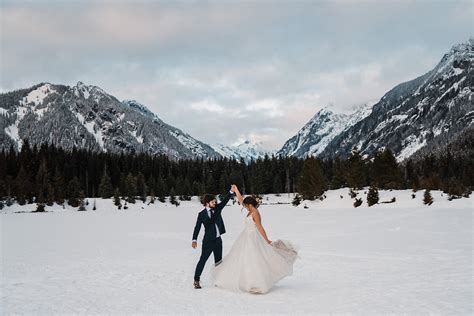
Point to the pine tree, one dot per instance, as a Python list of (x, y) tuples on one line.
[(427, 198), (312, 183), (355, 172), (384, 170), (73, 192), (82, 206), (105, 186), (42, 181), (117, 201), (173, 199), (338, 178), (161, 188), (59, 195), (131, 188), (372, 196), (141, 187), (454, 189), (22, 186), (50, 195)]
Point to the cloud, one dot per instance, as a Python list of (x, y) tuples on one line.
[(224, 71), (207, 105), (268, 107)]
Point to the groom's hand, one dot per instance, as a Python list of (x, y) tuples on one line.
[(194, 244)]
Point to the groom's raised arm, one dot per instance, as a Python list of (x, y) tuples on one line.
[(224, 201)]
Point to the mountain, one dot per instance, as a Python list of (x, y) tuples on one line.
[(87, 117), (425, 113), (247, 151), (325, 125)]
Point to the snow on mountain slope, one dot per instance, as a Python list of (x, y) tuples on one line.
[(86, 116), (247, 151), (325, 125)]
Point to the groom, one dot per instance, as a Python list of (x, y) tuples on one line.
[(214, 227)]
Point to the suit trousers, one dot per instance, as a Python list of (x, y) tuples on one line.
[(208, 247)]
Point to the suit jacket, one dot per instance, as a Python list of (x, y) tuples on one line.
[(209, 224)]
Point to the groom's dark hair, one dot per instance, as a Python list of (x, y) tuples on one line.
[(206, 198)]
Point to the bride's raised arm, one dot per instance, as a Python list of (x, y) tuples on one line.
[(237, 194)]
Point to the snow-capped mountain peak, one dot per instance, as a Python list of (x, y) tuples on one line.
[(246, 150), (424, 114), (323, 127), (85, 116)]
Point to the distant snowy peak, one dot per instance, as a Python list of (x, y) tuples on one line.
[(85, 116), (89, 92), (247, 151), (460, 55), (426, 113), (323, 127)]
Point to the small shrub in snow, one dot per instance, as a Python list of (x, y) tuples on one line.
[(373, 196), (352, 193), (40, 207), (94, 208), (174, 200), (117, 199), (357, 202), (2, 205), (427, 198), (413, 195), (296, 200)]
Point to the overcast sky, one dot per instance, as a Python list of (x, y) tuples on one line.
[(225, 71)]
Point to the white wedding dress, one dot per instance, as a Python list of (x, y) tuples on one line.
[(252, 265)]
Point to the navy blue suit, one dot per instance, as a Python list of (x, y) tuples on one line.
[(210, 243)]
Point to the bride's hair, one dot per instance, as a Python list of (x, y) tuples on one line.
[(250, 200)]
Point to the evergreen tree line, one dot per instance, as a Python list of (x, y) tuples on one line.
[(46, 174)]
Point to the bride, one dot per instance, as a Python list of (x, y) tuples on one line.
[(254, 263)]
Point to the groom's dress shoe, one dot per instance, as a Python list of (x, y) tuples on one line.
[(197, 285)]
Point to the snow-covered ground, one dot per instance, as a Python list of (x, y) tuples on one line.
[(390, 258)]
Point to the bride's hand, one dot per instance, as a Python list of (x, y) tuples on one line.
[(269, 241)]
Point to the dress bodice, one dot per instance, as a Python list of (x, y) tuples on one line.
[(249, 223)]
